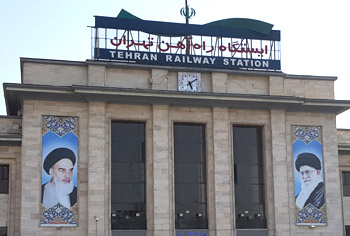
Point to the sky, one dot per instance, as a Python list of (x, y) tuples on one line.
[(314, 33)]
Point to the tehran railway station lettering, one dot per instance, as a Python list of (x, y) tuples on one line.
[(181, 60), (223, 44)]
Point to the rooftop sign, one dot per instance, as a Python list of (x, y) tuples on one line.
[(232, 44)]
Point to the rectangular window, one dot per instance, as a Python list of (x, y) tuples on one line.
[(3, 231), (4, 179), (346, 183), (128, 198), (190, 177), (249, 177), (347, 230)]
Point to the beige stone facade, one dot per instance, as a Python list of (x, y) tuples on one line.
[(100, 92)]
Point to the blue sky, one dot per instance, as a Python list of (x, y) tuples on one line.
[(314, 34)]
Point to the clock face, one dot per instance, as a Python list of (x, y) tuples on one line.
[(189, 82)]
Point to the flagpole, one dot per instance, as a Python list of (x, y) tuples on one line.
[(188, 42)]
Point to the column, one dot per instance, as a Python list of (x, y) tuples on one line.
[(96, 75), (280, 172), (159, 79), (162, 186), (219, 82), (222, 164), (97, 169)]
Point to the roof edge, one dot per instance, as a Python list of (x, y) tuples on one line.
[(51, 61), (310, 77)]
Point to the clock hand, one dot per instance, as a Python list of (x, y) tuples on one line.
[(193, 81), (190, 84)]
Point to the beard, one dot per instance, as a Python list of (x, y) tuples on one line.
[(306, 190), (62, 188), (309, 186)]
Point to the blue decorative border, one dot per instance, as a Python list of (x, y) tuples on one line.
[(60, 125), (308, 139), (58, 214), (307, 133), (312, 215), (57, 131)]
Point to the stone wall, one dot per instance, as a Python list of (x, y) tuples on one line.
[(94, 165), (63, 73), (10, 154), (344, 165), (94, 173)]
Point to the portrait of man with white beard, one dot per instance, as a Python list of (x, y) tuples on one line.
[(59, 164), (312, 187)]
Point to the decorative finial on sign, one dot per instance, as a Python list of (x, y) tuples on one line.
[(187, 12)]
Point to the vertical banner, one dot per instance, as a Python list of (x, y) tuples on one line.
[(59, 181), (308, 175)]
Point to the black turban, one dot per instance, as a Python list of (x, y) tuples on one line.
[(56, 155), (307, 159)]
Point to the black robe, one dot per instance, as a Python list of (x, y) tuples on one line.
[(316, 198)]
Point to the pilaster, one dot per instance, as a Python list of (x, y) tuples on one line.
[(29, 172), (280, 172), (96, 75), (162, 186), (276, 85), (219, 82), (222, 163), (96, 169), (159, 79)]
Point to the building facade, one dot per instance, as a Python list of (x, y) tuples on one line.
[(151, 155)]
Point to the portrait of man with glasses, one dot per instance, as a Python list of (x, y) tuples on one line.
[(312, 187)]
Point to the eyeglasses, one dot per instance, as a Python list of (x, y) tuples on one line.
[(306, 172)]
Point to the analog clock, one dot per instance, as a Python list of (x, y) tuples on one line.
[(189, 82)]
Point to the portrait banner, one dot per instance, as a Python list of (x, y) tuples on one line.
[(309, 187), (59, 178)]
